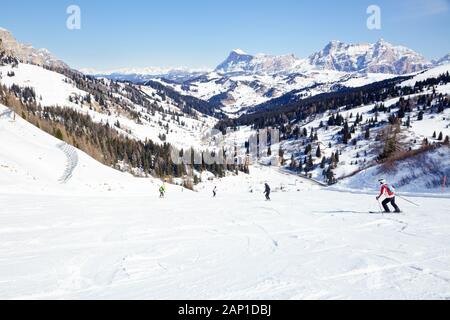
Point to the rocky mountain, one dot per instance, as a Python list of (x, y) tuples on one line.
[(240, 62), (443, 60), (28, 54), (381, 57), (243, 80)]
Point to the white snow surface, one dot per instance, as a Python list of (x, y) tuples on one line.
[(107, 235), (430, 73)]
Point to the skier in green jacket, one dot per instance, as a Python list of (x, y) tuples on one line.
[(162, 190)]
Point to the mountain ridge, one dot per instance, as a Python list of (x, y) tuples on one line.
[(27, 53), (379, 57)]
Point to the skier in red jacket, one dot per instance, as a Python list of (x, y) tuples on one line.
[(388, 192)]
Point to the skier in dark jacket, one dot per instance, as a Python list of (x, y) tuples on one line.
[(267, 192)]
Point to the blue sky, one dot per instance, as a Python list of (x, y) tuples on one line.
[(200, 33)]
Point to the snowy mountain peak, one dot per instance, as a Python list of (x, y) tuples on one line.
[(237, 61), (381, 57), (239, 52), (240, 62)]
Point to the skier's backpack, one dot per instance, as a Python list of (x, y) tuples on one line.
[(390, 189)]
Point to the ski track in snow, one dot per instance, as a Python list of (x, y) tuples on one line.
[(72, 161), (107, 235), (6, 113), (132, 246)]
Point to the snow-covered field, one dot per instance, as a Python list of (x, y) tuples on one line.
[(102, 234)]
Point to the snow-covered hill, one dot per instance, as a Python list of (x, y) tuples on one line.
[(104, 234), (32, 161), (369, 129), (239, 92), (55, 89), (107, 235), (425, 171)]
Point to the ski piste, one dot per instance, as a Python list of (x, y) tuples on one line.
[(363, 212), (112, 184)]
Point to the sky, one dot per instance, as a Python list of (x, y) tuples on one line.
[(200, 33)]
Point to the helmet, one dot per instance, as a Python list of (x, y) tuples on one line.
[(382, 181)]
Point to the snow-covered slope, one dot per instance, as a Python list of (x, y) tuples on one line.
[(430, 73), (54, 89), (32, 161), (237, 92), (81, 241), (362, 152), (73, 228), (425, 171)]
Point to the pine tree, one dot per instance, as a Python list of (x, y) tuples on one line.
[(300, 166), (447, 140), (408, 122), (420, 116), (318, 152), (323, 163), (293, 164), (309, 164)]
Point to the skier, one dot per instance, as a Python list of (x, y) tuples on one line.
[(162, 190), (388, 191), (215, 191), (267, 192)]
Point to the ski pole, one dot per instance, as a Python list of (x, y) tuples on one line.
[(408, 201), (379, 205)]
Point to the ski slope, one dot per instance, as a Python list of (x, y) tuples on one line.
[(32, 161), (102, 234)]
